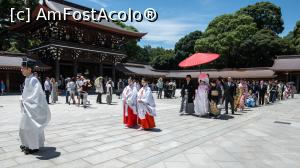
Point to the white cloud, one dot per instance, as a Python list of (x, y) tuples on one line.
[(99, 2), (166, 32)]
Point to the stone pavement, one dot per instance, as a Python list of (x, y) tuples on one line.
[(96, 137)]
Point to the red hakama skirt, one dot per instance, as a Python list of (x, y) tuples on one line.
[(148, 122), (131, 119)]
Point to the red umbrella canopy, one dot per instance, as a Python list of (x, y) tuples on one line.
[(198, 59)]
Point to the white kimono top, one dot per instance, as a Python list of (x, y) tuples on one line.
[(147, 105), (129, 98), (35, 111)]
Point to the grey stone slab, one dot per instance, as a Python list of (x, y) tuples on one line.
[(230, 165), (82, 146), (114, 163), (26, 159), (36, 164), (139, 146), (112, 145), (96, 137), (74, 164), (102, 157), (177, 165), (166, 146), (158, 165), (73, 156), (8, 155), (138, 156), (7, 163)]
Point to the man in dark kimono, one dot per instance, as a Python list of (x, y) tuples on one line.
[(262, 89), (188, 96), (229, 91)]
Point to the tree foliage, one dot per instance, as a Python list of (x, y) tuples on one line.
[(296, 37), (185, 47), (247, 38), (13, 41), (224, 35), (266, 16)]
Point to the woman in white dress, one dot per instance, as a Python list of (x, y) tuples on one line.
[(201, 99), (54, 90), (99, 89)]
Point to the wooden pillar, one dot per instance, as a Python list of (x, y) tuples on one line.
[(101, 69), (114, 69), (75, 66), (298, 82), (7, 82), (114, 72), (57, 69)]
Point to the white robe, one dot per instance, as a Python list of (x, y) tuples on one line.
[(201, 100), (129, 98), (147, 104), (35, 114)]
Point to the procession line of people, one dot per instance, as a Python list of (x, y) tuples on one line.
[(209, 97), (138, 104), (139, 107)]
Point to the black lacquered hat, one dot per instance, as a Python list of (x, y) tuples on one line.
[(29, 63)]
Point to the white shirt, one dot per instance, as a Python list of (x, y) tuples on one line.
[(47, 85)]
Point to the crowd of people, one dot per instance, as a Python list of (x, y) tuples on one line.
[(169, 88), (209, 96), (138, 104), (77, 89), (2, 87)]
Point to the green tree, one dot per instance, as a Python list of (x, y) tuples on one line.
[(185, 47), (266, 15), (12, 41), (161, 58), (224, 35), (261, 48), (296, 37)]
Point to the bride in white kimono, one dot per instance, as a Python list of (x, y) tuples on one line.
[(201, 99), (34, 109)]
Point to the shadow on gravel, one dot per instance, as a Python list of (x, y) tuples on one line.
[(47, 153), (154, 130), (220, 117)]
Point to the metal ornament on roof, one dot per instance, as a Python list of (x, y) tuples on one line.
[(53, 26), (117, 41), (101, 57), (101, 38), (75, 54), (79, 34), (55, 52)]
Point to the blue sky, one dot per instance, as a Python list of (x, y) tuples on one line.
[(179, 17)]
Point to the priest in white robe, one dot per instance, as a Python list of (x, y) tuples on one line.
[(146, 106), (129, 99), (34, 109)]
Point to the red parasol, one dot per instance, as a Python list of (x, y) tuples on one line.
[(198, 59)]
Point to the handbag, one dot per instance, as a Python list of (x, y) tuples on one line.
[(108, 99), (214, 93)]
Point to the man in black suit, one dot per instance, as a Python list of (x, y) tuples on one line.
[(188, 95), (229, 91), (262, 89)]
